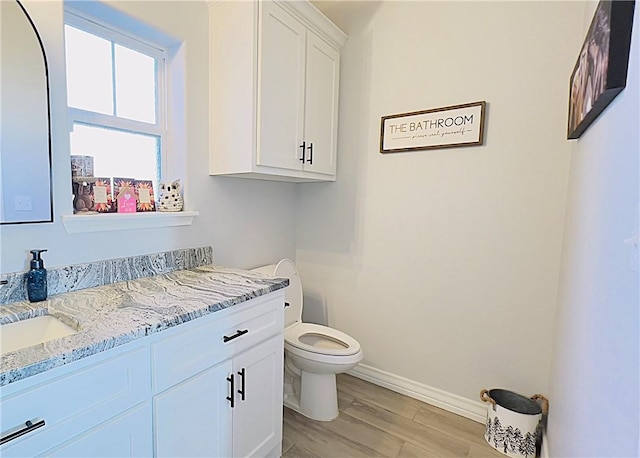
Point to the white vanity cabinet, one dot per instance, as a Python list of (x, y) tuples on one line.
[(219, 384), (233, 409), (211, 387), (97, 406), (257, 412), (192, 418), (126, 435), (274, 74)]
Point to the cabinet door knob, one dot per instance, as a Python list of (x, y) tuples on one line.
[(28, 427), (303, 151), (310, 148), (232, 393), (241, 390)]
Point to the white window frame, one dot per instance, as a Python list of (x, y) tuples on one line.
[(115, 35), (172, 145)]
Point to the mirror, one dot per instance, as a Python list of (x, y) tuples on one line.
[(25, 144)]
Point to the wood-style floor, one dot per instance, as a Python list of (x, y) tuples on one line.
[(375, 421)]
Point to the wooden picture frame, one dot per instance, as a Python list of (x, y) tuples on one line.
[(92, 194), (446, 127), (102, 196), (146, 198), (600, 72)]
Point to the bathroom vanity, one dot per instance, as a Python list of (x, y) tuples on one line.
[(187, 363)]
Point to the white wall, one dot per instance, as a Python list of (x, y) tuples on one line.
[(444, 264), (595, 381), (248, 223)]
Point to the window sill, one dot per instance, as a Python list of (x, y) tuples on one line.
[(75, 224)]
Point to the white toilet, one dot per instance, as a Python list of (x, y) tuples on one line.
[(313, 354)]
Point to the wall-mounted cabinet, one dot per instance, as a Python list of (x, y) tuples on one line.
[(275, 70)]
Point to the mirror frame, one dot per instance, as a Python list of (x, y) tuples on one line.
[(46, 78)]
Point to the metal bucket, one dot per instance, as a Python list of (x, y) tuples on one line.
[(513, 421)]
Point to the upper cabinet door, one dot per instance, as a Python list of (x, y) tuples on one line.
[(281, 89), (321, 106)]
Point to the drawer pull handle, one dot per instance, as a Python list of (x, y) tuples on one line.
[(286, 304), (240, 332), (29, 426), (241, 390), (231, 397)]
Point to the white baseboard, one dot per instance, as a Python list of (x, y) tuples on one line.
[(474, 410)]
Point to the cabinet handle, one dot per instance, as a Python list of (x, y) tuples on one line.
[(303, 150), (286, 304), (310, 148), (240, 332), (29, 426), (231, 397), (242, 374)]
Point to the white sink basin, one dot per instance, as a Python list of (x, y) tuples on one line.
[(25, 333)]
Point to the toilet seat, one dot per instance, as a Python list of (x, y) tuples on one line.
[(320, 340)]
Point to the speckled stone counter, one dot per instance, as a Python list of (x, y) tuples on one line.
[(105, 272), (112, 315)]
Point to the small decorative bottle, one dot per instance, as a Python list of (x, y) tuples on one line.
[(37, 278)]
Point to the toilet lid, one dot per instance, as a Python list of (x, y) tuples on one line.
[(319, 339), (292, 293)]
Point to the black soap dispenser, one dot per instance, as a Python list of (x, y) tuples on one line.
[(37, 278)]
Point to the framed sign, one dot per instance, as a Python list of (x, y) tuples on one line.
[(600, 72), (447, 127)]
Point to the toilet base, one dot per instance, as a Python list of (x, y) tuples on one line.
[(318, 397)]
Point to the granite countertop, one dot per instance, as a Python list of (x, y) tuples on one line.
[(112, 315)]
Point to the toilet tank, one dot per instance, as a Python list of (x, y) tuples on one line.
[(292, 293)]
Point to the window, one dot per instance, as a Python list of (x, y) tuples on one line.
[(115, 96)]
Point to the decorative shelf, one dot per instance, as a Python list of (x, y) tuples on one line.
[(107, 222)]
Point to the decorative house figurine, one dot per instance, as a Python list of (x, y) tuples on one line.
[(126, 199), (170, 199)]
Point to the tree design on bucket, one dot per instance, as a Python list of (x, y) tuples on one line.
[(509, 440)]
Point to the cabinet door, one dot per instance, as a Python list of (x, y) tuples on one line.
[(193, 418), (257, 417), (281, 88), (127, 435), (321, 105)]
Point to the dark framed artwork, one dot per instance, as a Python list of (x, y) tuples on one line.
[(600, 73)]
